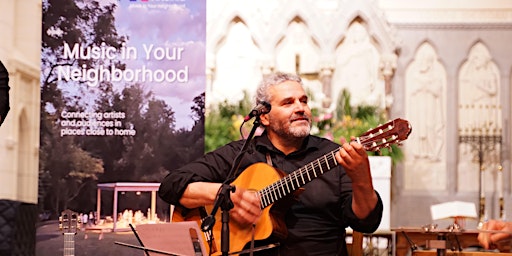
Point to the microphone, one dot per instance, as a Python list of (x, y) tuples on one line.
[(263, 107)]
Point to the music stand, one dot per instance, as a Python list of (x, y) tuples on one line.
[(175, 238)]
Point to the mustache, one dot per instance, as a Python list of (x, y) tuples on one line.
[(303, 116)]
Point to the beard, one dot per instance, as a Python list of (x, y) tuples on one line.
[(299, 131), (288, 129)]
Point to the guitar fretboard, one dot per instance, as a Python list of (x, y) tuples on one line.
[(69, 244), (297, 179), (372, 140)]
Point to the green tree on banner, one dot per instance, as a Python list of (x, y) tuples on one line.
[(67, 21), (71, 166)]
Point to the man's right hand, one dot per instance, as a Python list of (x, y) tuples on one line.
[(246, 203), (247, 208)]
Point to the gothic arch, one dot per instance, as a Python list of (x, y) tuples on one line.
[(236, 56), (377, 25), (229, 15), (422, 44), (479, 90), (477, 41), (286, 16), (383, 39), (296, 45), (363, 23), (221, 37), (426, 87), (297, 19), (356, 68)]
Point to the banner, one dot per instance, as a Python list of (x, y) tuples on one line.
[(122, 100)]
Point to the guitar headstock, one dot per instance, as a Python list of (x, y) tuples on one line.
[(385, 135), (69, 222)]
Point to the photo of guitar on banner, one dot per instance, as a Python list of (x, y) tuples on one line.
[(69, 224)]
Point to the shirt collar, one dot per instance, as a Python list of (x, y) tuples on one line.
[(262, 143)]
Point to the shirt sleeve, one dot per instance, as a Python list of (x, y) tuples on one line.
[(211, 167), (368, 224)]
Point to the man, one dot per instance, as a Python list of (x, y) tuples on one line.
[(316, 221), (4, 92)]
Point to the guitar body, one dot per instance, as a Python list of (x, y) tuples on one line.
[(197, 215), (270, 224)]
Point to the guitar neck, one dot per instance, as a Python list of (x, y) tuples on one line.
[(69, 244), (373, 140), (297, 179)]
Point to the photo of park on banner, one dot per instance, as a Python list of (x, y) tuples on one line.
[(123, 96)]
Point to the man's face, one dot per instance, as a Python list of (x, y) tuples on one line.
[(290, 115)]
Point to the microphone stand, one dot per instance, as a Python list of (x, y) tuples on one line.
[(223, 199)]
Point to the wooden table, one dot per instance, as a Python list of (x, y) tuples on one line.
[(372, 242), (408, 238), (463, 253)]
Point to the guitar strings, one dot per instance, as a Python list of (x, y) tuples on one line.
[(272, 192)]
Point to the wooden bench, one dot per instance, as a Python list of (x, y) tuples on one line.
[(102, 230)]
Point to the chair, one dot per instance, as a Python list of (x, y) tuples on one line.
[(356, 247)]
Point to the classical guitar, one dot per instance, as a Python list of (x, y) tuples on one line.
[(69, 223), (272, 185)]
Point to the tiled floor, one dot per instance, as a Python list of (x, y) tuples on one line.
[(50, 242)]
